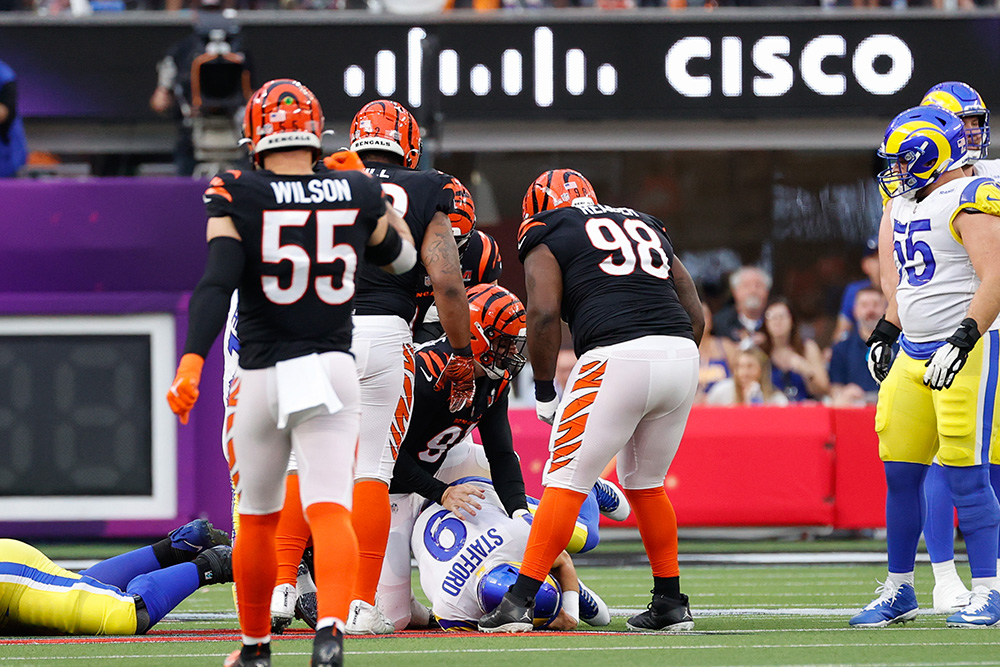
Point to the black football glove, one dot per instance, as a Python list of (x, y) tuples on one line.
[(949, 359), (880, 348)]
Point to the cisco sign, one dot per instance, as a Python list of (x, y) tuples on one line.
[(775, 69), (647, 66)]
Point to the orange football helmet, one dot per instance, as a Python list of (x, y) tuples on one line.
[(384, 125), (282, 114), (499, 330), (463, 218), (555, 189)]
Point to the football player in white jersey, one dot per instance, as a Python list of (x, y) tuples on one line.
[(938, 397), (467, 564), (950, 593)]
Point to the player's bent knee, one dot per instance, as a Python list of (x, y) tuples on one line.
[(973, 497)]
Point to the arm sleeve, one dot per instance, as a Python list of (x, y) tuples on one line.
[(209, 305), (409, 477), (505, 467)]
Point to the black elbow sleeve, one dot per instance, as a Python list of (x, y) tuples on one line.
[(386, 252)]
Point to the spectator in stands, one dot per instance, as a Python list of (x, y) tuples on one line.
[(869, 266), (850, 381), (750, 287), (13, 143), (750, 383), (797, 367), (717, 355)]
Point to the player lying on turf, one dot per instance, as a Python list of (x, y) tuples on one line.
[(124, 595)]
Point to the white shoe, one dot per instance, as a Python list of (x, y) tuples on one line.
[(420, 616), (366, 619), (611, 500), (950, 596), (282, 607)]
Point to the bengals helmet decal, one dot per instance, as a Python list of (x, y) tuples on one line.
[(282, 114), (384, 125), (463, 218), (555, 189), (499, 330)]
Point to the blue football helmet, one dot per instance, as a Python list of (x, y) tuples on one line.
[(494, 584), (921, 144), (965, 102)]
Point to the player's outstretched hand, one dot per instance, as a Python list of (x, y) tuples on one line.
[(460, 372), (949, 359), (461, 499), (184, 391), (880, 349)]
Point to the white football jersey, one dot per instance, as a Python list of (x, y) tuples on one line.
[(990, 168), (452, 555), (936, 278)]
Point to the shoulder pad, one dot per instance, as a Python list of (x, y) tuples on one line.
[(982, 195), (219, 184)]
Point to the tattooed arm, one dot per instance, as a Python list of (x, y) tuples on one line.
[(440, 257)]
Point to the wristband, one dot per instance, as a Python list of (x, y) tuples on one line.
[(463, 351), (545, 390)]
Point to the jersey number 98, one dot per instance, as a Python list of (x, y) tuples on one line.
[(633, 239)]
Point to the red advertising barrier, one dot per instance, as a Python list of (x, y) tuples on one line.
[(805, 465)]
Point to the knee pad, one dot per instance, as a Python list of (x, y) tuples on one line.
[(973, 497)]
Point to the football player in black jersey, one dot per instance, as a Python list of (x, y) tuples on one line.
[(289, 240), (480, 257), (498, 335), (636, 321), (387, 138)]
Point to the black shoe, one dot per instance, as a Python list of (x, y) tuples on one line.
[(663, 614), (215, 565), (328, 648), (255, 655), (306, 608), (509, 616)]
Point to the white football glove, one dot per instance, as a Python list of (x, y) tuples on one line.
[(546, 410), (949, 359)]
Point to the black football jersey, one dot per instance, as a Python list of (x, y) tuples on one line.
[(304, 238), (417, 195), (481, 263), (616, 268), (434, 430)]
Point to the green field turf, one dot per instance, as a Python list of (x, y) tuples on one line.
[(744, 616)]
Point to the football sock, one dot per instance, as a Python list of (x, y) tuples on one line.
[(945, 571), (988, 582), (551, 530), (371, 525), (293, 534), (995, 483), (668, 586), (899, 578), (255, 565), (904, 508), (658, 528), (162, 590), (978, 516), (335, 558), (120, 570), (939, 516)]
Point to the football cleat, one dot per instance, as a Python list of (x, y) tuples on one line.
[(663, 614), (215, 564), (611, 500), (893, 604), (283, 601), (593, 610), (366, 619), (983, 610), (306, 607), (196, 536), (420, 615), (509, 616), (950, 596), (328, 648), (257, 655)]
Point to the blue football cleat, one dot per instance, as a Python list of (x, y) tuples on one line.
[(983, 610), (198, 535), (894, 604), (611, 500)]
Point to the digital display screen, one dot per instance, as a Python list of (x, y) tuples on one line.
[(75, 416)]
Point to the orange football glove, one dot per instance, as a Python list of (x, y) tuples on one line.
[(344, 161), (460, 371), (184, 391)]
